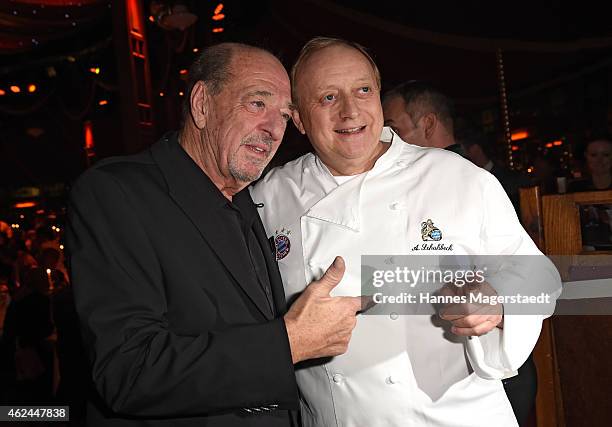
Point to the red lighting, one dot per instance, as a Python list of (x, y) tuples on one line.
[(94, 70), (218, 9), (89, 139), (549, 145), (15, 89), (183, 72), (24, 205), (217, 30), (516, 136), (515, 148), (2, 92), (32, 88), (218, 17), (557, 143), (103, 102)]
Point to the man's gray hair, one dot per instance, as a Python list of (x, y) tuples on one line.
[(213, 67)]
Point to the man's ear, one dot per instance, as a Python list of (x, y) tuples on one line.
[(295, 115), (430, 121), (199, 102)]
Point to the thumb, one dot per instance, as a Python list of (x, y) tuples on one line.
[(332, 276)]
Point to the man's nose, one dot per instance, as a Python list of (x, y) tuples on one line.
[(275, 124), (348, 108)]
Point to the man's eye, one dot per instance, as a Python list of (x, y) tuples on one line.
[(329, 98), (365, 89), (286, 117), (258, 104)]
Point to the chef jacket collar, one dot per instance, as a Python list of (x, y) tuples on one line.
[(341, 205)]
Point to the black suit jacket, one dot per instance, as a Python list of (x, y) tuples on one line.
[(179, 333)]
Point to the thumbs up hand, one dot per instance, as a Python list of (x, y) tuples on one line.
[(318, 324)]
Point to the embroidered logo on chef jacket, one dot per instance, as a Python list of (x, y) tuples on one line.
[(282, 243), (430, 232)]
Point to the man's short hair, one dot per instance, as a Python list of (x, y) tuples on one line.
[(213, 67), (319, 43), (421, 98)]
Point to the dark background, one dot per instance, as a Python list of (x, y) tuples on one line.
[(557, 59)]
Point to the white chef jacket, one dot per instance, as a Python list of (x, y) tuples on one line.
[(399, 370)]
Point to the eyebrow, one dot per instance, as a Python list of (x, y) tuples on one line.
[(260, 93), (265, 93)]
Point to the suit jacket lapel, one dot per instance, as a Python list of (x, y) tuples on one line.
[(276, 283), (190, 188)]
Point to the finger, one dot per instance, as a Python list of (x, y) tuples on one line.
[(355, 304), (367, 302), (470, 321), (332, 276), (450, 317), (476, 331)]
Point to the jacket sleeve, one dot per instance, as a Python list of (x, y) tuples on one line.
[(140, 367), (518, 268)]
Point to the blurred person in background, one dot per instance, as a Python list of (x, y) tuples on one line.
[(598, 157), (596, 220), (479, 151), (29, 334), (421, 115)]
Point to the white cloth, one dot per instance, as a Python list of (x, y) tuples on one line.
[(399, 370)]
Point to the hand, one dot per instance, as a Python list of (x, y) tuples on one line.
[(471, 318), (318, 324)]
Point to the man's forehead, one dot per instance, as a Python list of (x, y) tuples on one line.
[(600, 143)]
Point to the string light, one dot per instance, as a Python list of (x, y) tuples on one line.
[(32, 88), (103, 102), (15, 89), (2, 92), (94, 70), (217, 30)]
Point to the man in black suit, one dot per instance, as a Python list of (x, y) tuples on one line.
[(478, 151), (176, 285)]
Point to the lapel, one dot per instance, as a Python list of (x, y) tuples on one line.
[(341, 203), (276, 283), (195, 194)]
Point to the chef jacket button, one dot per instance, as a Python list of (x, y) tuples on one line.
[(391, 380), (337, 378), (394, 316), (394, 206), (401, 163)]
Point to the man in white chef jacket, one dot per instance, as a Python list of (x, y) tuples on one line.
[(366, 192)]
